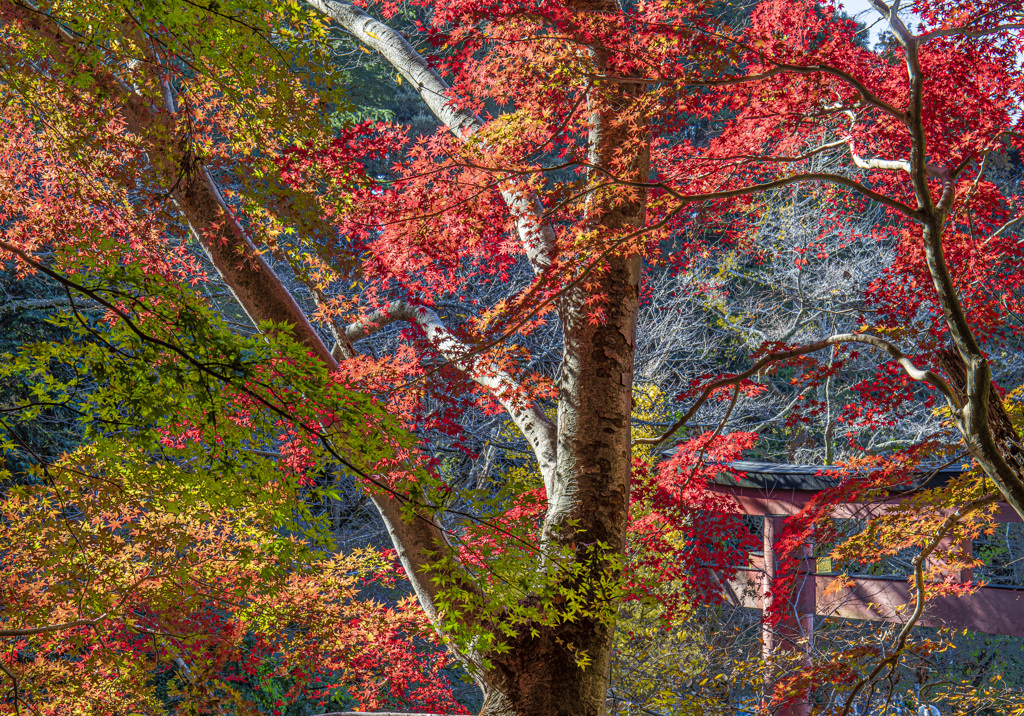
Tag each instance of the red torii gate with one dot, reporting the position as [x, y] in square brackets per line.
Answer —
[774, 492]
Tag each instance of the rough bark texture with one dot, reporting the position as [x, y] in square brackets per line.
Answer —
[540, 676]
[998, 448]
[588, 510]
[1002, 427]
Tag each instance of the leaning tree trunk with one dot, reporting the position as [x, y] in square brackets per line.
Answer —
[1003, 431]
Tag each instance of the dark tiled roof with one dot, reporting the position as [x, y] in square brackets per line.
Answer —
[813, 478]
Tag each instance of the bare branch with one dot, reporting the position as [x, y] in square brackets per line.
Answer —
[887, 164]
[891, 14]
[964, 31]
[794, 179]
[396, 311]
[1004, 228]
[913, 371]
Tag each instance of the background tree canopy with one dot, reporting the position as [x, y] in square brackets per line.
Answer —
[380, 356]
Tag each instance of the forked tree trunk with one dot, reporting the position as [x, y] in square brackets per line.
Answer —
[588, 473]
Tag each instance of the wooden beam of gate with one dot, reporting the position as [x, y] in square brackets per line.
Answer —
[990, 610]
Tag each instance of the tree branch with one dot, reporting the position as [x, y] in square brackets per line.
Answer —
[52, 627]
[258, 290]
[866, 94]
[535, 233]
[918, 562]
[418, 537]
[528, 416]
[911, 370]
[964, 31]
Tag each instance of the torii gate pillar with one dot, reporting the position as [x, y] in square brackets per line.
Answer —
[796, 631]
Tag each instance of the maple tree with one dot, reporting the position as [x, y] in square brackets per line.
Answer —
[168, 564]
[579, 142]
[147, 610]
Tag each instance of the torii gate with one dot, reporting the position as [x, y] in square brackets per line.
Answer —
[775, 491]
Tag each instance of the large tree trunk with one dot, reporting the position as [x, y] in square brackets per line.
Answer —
[540, 675]
[589, 505]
